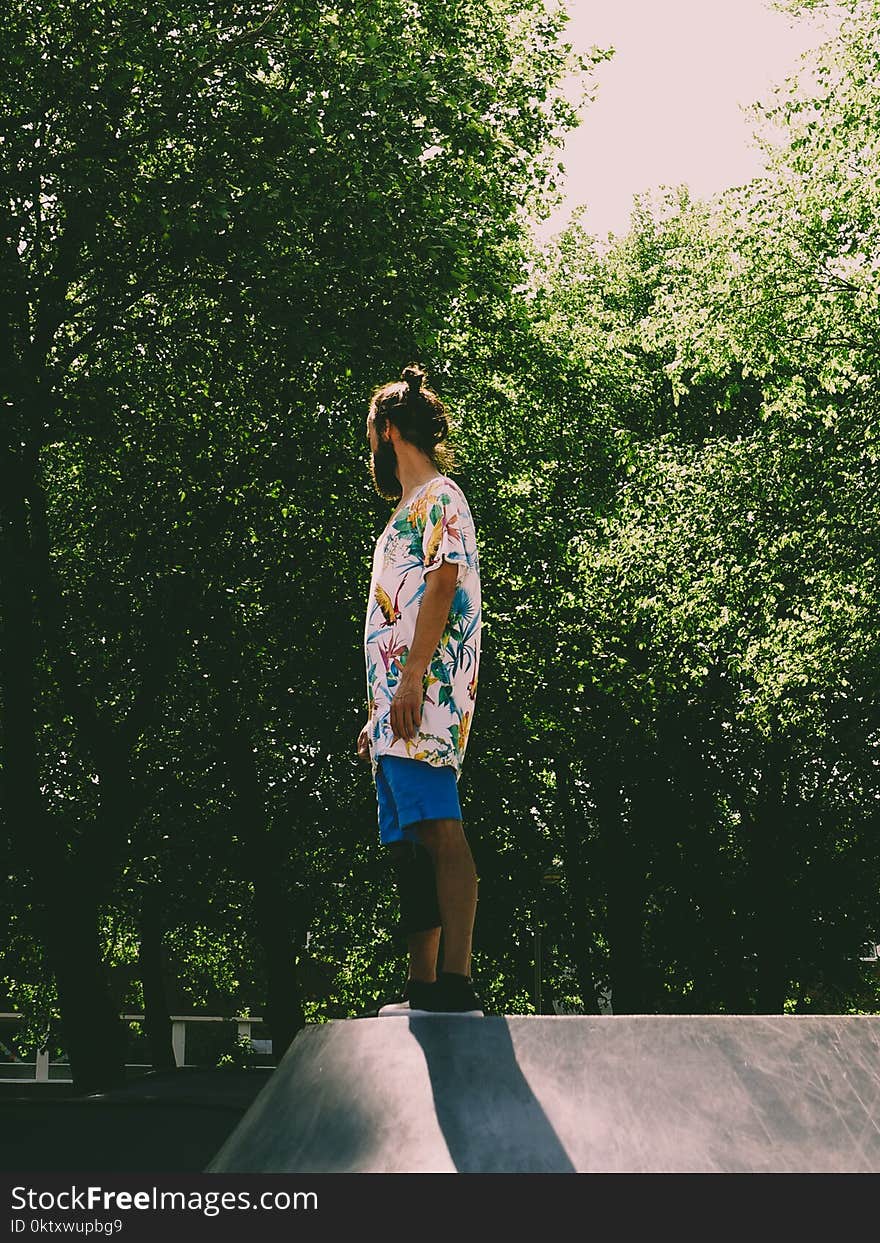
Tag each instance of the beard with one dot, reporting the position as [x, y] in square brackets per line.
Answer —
[383, 468]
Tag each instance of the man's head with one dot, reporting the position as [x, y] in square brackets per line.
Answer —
[407, 411]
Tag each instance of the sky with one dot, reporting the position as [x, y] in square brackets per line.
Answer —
[667, 108]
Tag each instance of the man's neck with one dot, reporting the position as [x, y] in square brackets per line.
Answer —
[412, 472]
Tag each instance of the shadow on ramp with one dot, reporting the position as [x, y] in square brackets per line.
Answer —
[490, 1118]
[423, 1095]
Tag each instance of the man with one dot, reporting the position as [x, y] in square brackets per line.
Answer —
[422, 648]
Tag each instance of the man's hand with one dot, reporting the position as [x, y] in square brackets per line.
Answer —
[406, 707]
[363, 743]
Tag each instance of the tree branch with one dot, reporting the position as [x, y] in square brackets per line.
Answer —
[165, 622]
[77, 696]
[247, 36]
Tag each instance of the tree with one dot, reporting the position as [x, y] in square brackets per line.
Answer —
[724, 632]
[216, 224]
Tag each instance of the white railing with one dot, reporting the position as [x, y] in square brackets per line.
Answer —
[178, 1041]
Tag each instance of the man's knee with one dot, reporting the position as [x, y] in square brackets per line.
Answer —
[416, 887]
[440, 835]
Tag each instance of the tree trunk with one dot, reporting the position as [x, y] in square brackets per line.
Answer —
[157, 1020]
[276, 917]
[93, 1034]
[573, 834]
[284, 1008]
[624, 877]
[720, 954]
[24, 810]
[64, 899]
[769, 881]
[102, 846]
[59, 891]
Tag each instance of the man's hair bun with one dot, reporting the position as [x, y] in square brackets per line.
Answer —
[417, 413]
[413, 376]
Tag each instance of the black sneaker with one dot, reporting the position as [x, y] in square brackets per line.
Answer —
[414, 993]
[452, 994]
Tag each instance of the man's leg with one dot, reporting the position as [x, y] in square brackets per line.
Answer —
[437, 883]
[419, 922]
[423, 950]
[456, 879]
[419, 913]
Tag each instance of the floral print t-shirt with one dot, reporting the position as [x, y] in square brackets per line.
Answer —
[434, 525]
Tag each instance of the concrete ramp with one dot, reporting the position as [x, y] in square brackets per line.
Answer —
[643, 1093]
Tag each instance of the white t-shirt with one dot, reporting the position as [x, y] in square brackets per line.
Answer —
[434, 525]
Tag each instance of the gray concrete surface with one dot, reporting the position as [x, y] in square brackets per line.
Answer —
[651, 1093]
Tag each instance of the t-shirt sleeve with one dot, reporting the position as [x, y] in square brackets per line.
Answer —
[449, 532]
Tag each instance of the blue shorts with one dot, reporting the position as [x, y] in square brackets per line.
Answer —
[408, 791]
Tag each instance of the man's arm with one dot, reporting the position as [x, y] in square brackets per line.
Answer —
[406, 706]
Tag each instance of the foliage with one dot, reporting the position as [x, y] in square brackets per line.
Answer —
[223, 227]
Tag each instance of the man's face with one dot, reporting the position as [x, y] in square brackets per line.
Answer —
[383, 463]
